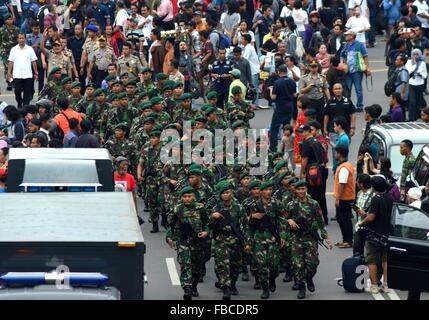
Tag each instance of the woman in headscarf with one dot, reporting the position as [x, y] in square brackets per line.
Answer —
[416, 67]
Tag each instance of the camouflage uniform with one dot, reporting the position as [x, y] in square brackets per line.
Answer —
[212, 126]
[152, 165]
[83, 104]
[51, 90]
[73, 101]
[305, 255]
[190, 251]
[181, 115]
[8, 39]
[220, 172]
[227, 245]
[123, 148]
[244, 108]
[241, 195]
[146, 86]
[171, 171]
[266, 246]
[96, 114]
[119, 115]
[407, 167]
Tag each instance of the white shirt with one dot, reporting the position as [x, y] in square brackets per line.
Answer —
[121, 18]
[422, 6]
[297, 71]
[343, 176]
[417, 80]
[22, 59]
[363, 6]
[250, 54]
[286, 12]
[148, 26]
[357, 24]
[301, 19]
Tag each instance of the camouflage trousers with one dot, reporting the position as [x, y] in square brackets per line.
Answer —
[267, 256]
[227, 257]
[190, 258]
[5, 61]
[154, 199]
[305, 258]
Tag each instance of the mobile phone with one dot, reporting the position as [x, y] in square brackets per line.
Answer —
[355, 207]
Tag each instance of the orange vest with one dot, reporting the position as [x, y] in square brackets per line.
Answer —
[349, 191]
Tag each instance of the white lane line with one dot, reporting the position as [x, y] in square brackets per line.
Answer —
[376, 296]
[393, 295]
[174, 276]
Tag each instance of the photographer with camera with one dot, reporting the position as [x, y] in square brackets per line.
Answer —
[377, 222]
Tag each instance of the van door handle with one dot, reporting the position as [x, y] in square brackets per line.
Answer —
[399, 250]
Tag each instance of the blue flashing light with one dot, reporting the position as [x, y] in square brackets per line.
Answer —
[33, 189]
[75, 189]
[78, 278]
[88, 189]
[40, 278]
[23, 278]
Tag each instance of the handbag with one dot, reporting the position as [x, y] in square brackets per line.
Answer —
[361, 66]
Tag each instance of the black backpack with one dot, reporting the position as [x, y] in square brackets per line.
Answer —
[390, 85]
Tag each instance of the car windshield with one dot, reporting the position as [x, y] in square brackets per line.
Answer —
[396, 158]
[409, 222]
[421, 169]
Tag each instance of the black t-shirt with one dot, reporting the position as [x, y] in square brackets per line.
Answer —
[381, 206]
[343, 108]
[270, 46]
[308, 148]
[284, 88]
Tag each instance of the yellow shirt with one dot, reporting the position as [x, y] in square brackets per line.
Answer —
[235, 83]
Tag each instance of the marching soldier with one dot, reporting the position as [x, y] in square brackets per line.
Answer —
[130, 63]
[96, 111]
[184, 112]
[119, 145]
[52, 89]
[100, 58]
[230, 235]
[149, 170]
[121, 114]
[87, 99]
[238, 106]
[187, 233]
[146, 83]
[304, 221]
[75, 95]
[8, 39]
[269, 232]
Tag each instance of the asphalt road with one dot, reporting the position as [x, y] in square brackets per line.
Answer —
[160, 261]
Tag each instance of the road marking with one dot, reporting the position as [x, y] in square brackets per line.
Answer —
[7, 95]
[377, 61]
[393, 295]
[174, 276]
[379, 70]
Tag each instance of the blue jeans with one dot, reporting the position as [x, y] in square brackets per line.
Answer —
[356, 80]
[255, 80]
[280, 118]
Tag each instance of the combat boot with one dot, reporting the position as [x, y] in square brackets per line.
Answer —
[155, 227]
[295, 286]
[265, 292]
[301, 293]
[245, 274]
[272, 284]
[194, 289]
[226, 293]
[187, 293]
[234, 290]
[288, 275]
[257, 285]
[217, 285]
[310, 285]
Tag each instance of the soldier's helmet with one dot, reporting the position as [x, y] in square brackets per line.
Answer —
[46, 103]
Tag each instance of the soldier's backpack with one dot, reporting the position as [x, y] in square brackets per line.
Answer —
[353, 271]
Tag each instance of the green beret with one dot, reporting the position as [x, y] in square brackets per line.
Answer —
[158, 127]
[275, 155]
[170, 126]
[142, 94]
[65, 80]
[292, 180]
[7, 16]
[237, 124]
[114, 97]
[76, 84]
[131, 83]
[300, 183]
[117, 82]
[153, 115]
[244, 175]
[281, 164]
[155, 100]
[205, 107]
[149, 120]
[237, 167]
[285, 174]
[147, 69]
[91, 85]
[161, 76]
[266, 184]
[193, 123]
[155, 133]
[169, 84]
[196, 172]
[145, 105]
[122, 126]
[124, 74]
[219, 111]
[178, 84]
[55, 69]
[193, 166]
[200, 119]
[122, 95]
[236, 90]
[109, 78]
[223, 185]
[254, 184]
[210, 110]
[98, 92]
[211, 95]
[185, 96]
[187, 189]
